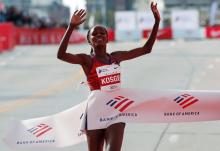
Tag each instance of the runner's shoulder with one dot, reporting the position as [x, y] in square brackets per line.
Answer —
[85, 57]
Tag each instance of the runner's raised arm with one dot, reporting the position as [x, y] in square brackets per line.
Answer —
[126, 55]
[77, 19]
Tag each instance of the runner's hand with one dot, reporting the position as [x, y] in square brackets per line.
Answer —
[155, 12]
[78, 17]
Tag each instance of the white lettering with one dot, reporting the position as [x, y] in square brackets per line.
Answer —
[110, 79]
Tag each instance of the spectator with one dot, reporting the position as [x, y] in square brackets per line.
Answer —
[25, 19]
[14, 15]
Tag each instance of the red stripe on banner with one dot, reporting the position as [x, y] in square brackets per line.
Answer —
[41, 129]
[118, 98]
[185, 95]
[38, 135]
[187, 100]
[120, 103]
[190, 103]
[126, 105]
[40, 125]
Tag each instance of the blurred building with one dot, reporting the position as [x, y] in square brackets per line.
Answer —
[45, 2]
[166, 6]
[53, 10]
[102, 11]
[20, 4]
[205, 8]
[25, 4]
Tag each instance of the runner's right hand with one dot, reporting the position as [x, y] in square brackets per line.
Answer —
[78, 17]
[155, 12]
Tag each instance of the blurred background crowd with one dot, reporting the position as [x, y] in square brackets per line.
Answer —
[31, 14]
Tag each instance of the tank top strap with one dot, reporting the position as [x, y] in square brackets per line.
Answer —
[95, 64]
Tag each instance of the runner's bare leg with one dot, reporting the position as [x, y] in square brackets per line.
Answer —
[114, 136]
[95, 139]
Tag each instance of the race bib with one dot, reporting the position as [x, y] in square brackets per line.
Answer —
[109, 76]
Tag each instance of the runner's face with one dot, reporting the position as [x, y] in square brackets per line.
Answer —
[98, 36]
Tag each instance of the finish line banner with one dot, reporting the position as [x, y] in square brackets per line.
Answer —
[102, 109]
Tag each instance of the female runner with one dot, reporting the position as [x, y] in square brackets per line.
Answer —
[94, 63]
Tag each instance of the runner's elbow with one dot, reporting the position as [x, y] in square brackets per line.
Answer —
[147, 50]
[60, 56]
[61, 53]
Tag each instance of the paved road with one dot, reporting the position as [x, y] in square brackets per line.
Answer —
[34, 83]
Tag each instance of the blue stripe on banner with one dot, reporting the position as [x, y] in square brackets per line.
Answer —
[176, 98]
[109, 102]
[113, 103]
[33, 130]
[180, 100]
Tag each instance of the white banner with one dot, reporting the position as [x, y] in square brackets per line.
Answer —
[185, 19]
[152, 106]
[199, 33]
[125, 20]
[59, 130]
[128, 35]
[105, 108]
